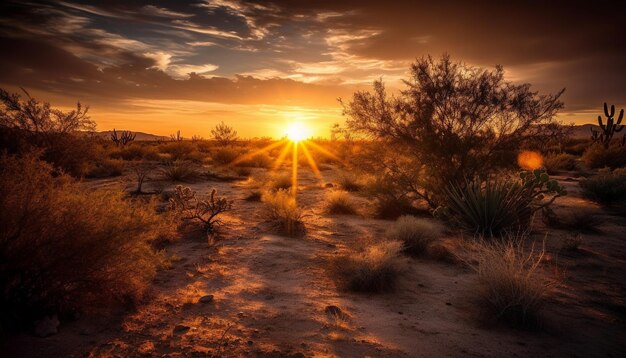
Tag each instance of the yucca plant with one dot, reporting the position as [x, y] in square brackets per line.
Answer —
[496, 206]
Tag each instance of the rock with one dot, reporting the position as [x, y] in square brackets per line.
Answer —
[329, 185]
[47, 326]
[448, 304]
[206, 299]
[181, 329]
[146, 348]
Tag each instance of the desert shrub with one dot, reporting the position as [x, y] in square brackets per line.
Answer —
[576, 146]
[596, 156]
[414, 233]
[225, 156]
[62, 137]
[451, 119]
[260, 160]
[496, 206]
[349, 182]
[179, 171]
[390, 199]
[607, 187]
[106, 168]
[223, 134]
[181, 151]
[136, 151]
[374, 269]
[558, 162]
[254, 196]
[185, 203]
[281, 182]
[282, 211]
[64, 248]
[243, 171]
[512, 289]
[339, 202]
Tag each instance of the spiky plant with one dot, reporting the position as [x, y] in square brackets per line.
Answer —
[206, 211]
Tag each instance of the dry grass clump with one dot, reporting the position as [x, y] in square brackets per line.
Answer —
[375, 269]
[106, 168]
[136, 151]
[179, 172]
[283, 212]
[349, 182]
[64, 248]
[225, 156]
[512, 289]
[596, 156]
[555, 163]
[281, 182]
[579, 220]
[415, 233]
[607, 187]
[339, 202]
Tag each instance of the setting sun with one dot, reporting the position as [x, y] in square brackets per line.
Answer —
[297, 131]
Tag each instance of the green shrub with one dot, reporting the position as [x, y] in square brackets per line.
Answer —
[375, 269]
[555, 163]
[607, 187]
[596, 156]
[414, 233]
[494, 207]
[65, 248]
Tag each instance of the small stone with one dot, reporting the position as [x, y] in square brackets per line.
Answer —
[240, 314]
[250, 343]
[269, 297]
[448, 304]
[400, 312]
[420, 284]
[206, 299]
[181, 329]
[329, 185]
[47, 326]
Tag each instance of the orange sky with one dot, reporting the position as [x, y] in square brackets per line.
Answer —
[257, 65]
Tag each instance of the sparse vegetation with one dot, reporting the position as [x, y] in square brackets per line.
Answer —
[179, 172]
[375, 269]
[282, 211]
[414, 233]
[281, 182]
[607, 187]
[339, 202]
[513, 290]
[224, 156]
[185, 203]
[64, 248]
[224, 134]
[597, 156]
[557, 162]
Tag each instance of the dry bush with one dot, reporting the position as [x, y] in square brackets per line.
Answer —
[282, 211]
[64, 248]
[261, 160]
[416, 234]
[254, 196]
[136, 151]
[206, 211]
[225, 156]
[375, 269]
[106, 168]
[596, 156]
[578, 220]
[349, 182]
[281, 182]
[180, 172]
[181, 151]
[607, 187]
[339, 202]
[512, 290]
[555, 163]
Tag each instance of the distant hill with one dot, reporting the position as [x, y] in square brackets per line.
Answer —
[583, 131]
[141, 136]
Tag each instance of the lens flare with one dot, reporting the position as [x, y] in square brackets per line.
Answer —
[529, 160]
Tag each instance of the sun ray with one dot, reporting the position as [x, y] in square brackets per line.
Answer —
[294, 170]
[281, 157]
[267, 148]
[311, 162]
[325, 152]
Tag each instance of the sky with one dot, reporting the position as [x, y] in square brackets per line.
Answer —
[161, 66]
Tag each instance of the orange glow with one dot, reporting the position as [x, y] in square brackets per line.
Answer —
[297, 131]
[529, 160]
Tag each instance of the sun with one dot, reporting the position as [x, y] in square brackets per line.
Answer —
[297, 131]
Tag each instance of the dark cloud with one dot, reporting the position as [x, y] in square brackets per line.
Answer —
[318, 49]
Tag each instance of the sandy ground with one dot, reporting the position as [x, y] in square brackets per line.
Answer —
[273, 297]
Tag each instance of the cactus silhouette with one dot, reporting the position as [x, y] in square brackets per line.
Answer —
[611, 127]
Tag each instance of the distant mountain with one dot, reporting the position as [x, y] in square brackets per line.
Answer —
[583, 131]
[141, 136]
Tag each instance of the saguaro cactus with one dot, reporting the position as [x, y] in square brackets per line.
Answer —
[611, 127]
